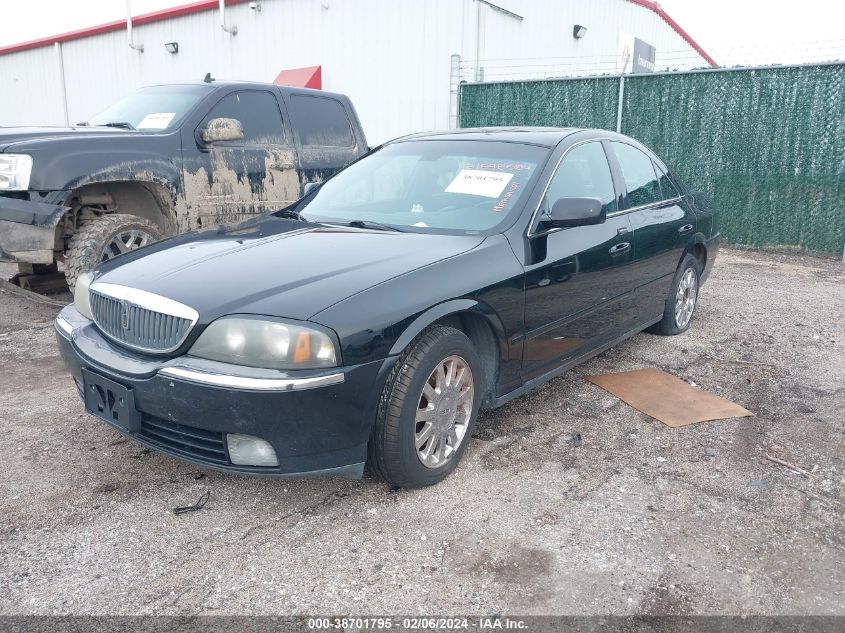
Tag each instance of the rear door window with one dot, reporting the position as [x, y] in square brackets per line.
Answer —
[321, 122]
[639, 175]
[258, 113]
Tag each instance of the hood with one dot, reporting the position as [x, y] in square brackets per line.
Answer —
[277, 267]
[10, 137]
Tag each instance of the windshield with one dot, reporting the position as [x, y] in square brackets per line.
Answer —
[151, 109]
[429, 186]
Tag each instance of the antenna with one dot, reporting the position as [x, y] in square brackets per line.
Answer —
[208, 78]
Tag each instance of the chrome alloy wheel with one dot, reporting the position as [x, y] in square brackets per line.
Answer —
[685, 298]
[444, 411]
[125, 241]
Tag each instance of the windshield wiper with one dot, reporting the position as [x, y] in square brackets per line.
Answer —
[367, 224]
[287, 213]
[121, 124]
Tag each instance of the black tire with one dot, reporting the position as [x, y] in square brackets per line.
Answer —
[392, 453]
[85, 248]
[668, 325]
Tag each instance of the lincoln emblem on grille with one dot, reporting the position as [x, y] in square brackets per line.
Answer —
[124, 314]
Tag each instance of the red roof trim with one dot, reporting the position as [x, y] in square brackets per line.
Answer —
[654, 6]
[305, 77]
[119, 25]
[208, 5]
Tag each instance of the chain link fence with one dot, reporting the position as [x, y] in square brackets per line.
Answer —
[767, 144]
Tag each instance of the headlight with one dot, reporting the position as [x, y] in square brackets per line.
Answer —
[271, 344]
[80, 295]
[15, 170]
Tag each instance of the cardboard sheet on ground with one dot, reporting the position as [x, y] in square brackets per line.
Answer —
[667, 398]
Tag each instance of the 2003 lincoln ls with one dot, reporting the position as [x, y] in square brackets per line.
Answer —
[368, 322]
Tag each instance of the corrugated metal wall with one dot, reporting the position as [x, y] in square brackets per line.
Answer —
[766, 144]
[542, 44]
[391, 56]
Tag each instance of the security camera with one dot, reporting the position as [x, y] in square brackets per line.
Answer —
[255, 6]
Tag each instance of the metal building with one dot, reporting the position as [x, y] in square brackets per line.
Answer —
[399, 60]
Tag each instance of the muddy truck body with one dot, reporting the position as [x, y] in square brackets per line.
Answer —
[165, 160]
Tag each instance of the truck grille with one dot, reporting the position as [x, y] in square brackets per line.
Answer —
[121, 314]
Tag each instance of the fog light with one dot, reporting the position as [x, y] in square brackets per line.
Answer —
[247, 450]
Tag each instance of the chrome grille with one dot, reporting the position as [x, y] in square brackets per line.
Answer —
[127, 316]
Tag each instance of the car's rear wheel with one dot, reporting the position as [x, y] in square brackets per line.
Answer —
[682, 299]
[428, 410]
[106, 237]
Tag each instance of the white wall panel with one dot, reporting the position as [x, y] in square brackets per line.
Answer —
[392, 57]
[29, 93]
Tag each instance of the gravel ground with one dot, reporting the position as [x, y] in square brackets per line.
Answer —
[640, 518]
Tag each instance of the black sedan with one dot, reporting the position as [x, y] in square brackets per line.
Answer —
[369, 322]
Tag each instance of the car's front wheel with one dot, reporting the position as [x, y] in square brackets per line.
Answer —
[428, 410]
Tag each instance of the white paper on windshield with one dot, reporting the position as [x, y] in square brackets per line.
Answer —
[156, 121]
[477, 182]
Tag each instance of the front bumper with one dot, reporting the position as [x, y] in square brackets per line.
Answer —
[318, 423]
[28, 230]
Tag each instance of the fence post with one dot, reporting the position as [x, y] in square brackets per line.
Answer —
[619, 105]
[454, 82]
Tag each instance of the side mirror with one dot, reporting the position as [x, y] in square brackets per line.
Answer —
[309, 187]
[568, 212]
[223, 129]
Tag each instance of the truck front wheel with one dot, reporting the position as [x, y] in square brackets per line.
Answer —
[102, 239]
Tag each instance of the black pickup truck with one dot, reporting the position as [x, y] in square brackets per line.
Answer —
[165, 160]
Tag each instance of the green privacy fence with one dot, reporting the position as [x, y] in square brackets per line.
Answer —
[767, 144]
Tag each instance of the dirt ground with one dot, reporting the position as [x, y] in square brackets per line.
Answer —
[639, 518]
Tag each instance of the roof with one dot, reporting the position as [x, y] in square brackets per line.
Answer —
[655, 6]
[120, 25]
[544, 136]
[259, 85]
[208, 5]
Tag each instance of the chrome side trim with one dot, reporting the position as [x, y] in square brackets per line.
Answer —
[63, 327]
[246, 382]
[614, 214]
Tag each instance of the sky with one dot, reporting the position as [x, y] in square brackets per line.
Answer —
[732, 31]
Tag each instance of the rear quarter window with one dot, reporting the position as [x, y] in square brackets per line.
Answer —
[321, 122]
[667, 188]
[638, 172]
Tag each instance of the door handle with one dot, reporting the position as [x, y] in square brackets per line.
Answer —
[619, 248]
[281, 166]
[622, 230]
[686, 228]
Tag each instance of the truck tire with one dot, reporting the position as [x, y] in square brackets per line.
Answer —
[102, 239]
